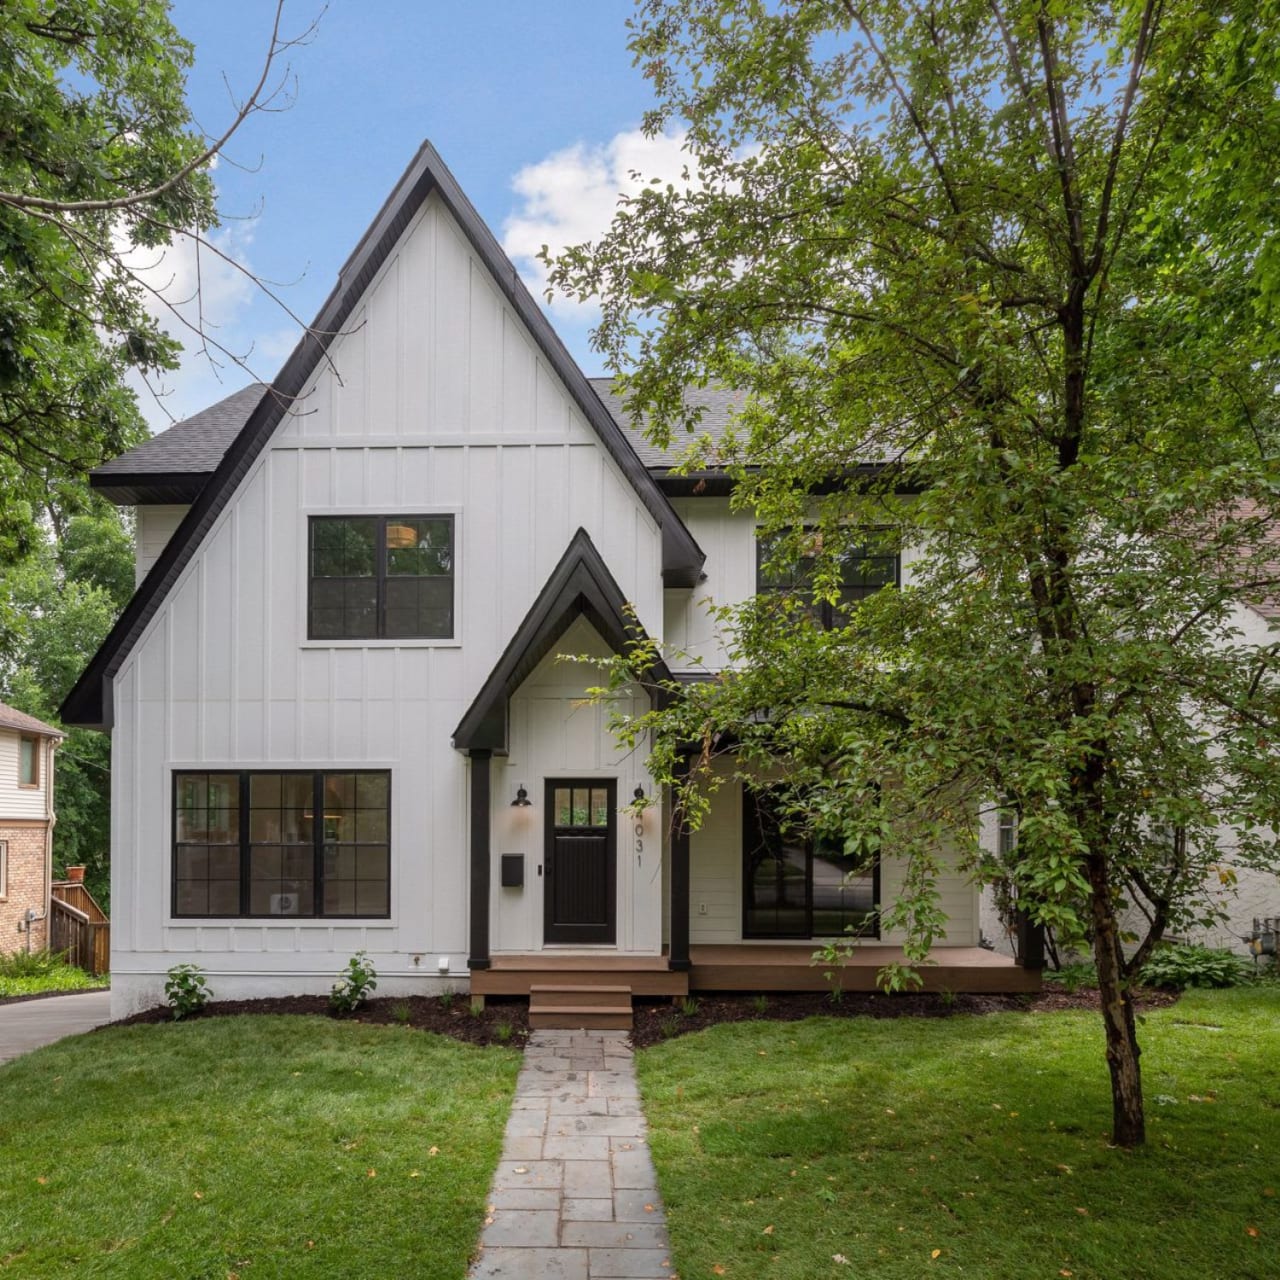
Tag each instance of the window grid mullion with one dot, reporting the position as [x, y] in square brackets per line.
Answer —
[242, 788]
[317, 843]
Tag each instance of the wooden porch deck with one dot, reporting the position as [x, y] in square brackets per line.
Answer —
[748, 966]
[767, 966]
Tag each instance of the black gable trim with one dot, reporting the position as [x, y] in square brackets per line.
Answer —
[579, 586]
[89, 702]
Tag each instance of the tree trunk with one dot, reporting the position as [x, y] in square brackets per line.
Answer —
[1128, 1119]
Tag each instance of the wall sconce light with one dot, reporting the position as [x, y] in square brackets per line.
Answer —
[639, 794]
[522, 800]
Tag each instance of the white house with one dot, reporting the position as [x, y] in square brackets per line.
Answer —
[27, 747]
[337, 714]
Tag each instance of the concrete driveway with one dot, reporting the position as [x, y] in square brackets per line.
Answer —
[29, 1024]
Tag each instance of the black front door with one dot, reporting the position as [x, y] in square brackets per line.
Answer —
[580, 861]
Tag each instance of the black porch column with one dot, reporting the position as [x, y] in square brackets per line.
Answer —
[481, 861]
[1030, 942]
[678, 958]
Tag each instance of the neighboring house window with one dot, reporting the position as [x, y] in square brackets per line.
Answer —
[28, 761]
[380, 577]
[863, 569]
[282, 843]
[4, 868]
[798, 886]
[1007, 835]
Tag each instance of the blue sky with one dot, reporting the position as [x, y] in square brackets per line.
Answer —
[534, 105]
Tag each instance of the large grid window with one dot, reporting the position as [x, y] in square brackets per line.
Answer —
[380, 577]
[864, 568]
[282, 843]
[800, 886]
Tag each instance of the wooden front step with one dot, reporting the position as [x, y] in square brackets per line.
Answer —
[517, 975]
[572, 997]
[593, 1007]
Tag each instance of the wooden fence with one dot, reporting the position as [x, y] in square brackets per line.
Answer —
[87, 942]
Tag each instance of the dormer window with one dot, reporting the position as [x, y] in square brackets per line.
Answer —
[864, 568]
[380, 577]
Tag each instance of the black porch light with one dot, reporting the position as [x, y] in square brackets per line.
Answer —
[522, 800]
[639, 793]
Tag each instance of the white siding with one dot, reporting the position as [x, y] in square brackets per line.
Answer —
[16, 801]
[555, 734]
[715, 876]
[155, 526]
[445, 404]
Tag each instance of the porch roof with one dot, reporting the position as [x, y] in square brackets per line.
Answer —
[579, 586]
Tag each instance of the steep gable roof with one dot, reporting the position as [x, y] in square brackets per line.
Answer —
[89, 703]
[579, 586]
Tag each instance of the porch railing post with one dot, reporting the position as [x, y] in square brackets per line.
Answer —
[481, 859]
[1030, 942]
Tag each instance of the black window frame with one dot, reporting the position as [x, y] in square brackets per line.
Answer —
[244, 782]
[751, 799]
[827, 613]
[380, 574]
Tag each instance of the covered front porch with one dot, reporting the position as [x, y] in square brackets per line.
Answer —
[751, 966]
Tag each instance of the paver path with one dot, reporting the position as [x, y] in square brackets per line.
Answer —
[575, 1196]
[29, 1024]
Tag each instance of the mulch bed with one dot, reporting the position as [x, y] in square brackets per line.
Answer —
[505, 1021]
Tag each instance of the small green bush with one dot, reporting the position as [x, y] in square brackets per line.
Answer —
[186, 990]
[354, 984]
[1074, 976]
[32, 964]
[446, 999]
[760, 1003]
[690, 1005]
[1182, 965]
[402, 1012]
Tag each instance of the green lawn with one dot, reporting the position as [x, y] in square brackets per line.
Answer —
[260, 1147]
[782, 1147]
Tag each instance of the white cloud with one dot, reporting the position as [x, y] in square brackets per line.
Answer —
[197, 288]
[571, 196]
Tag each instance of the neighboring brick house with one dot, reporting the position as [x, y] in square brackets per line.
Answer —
[27, 747]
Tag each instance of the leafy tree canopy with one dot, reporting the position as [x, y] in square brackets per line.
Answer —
[1006, 272]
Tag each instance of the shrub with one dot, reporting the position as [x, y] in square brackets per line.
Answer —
[1074, 976]
[354, 984]
[446, 999]
[186, 990]
[760, 1003]
[690, 1005]
[503, 1032]
[32, 964]
[402, 1012]
[1182, 965]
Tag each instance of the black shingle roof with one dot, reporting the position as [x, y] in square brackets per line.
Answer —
[193, 448]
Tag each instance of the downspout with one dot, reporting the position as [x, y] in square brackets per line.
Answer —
[50, 820]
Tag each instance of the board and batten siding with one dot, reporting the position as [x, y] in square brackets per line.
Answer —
[445, 404]
[555, 733]
[716, 882]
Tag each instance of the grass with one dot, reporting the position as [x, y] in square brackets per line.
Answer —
[249, 1147]
[974, 1145]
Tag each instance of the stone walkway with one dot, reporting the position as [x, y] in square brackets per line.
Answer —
[575, 1196]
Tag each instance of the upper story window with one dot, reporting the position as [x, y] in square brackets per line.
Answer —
[863, 569]
[380, 578]
[28, 761]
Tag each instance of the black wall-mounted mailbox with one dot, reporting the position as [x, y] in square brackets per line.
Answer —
[512, 870]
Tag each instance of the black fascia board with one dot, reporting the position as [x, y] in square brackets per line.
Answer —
[718, 483]
[579, 586]
[88, 705]
[147, 488]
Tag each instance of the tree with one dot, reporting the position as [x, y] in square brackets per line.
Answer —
[98, 156]
[1005, 272]
[56, 607]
